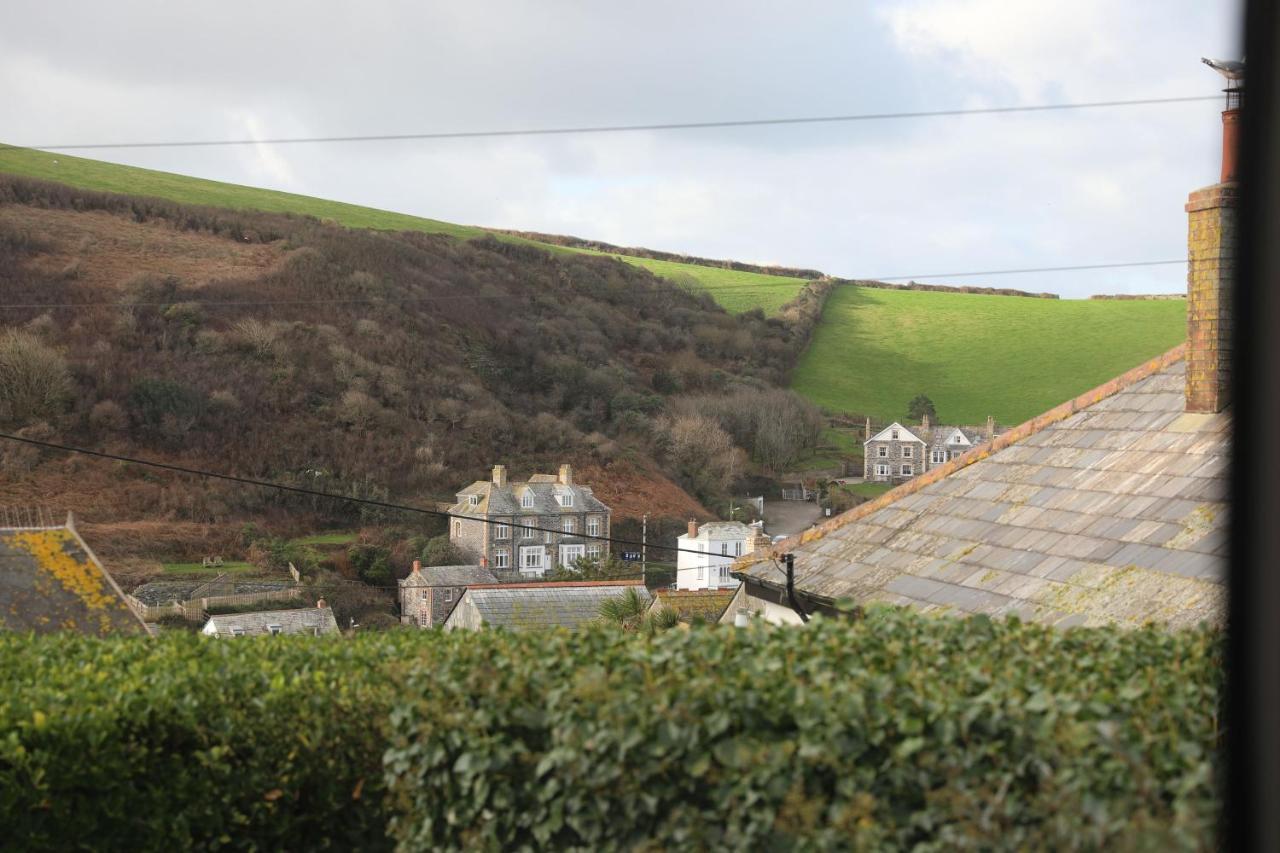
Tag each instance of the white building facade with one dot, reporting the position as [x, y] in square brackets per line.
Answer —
[714, 547]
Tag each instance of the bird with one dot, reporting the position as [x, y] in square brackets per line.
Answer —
[1228, 68]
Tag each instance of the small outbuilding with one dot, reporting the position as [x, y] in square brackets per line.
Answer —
[315, 621]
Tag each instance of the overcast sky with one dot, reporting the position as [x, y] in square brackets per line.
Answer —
[859, 200]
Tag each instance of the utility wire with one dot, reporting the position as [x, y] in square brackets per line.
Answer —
[626, 128]
[248, 481]
[650, 291]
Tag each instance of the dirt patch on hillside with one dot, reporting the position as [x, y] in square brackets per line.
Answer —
[99, 249]
[631, 492]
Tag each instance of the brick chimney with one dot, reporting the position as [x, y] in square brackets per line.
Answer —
[693, 528]
[499, 475]
[566, 475]
[1211, 264]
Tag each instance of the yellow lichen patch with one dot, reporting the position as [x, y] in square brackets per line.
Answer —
[1198, 523]
[77, 576]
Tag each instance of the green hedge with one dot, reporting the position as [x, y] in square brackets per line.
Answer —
[896, 732]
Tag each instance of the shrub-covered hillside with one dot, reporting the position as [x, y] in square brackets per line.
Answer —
[897, 732]
[360, 362]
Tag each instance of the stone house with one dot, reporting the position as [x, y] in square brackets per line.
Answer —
[315, 621]
[538, 606]
[496, 514]
[897, 453]
[428, 595]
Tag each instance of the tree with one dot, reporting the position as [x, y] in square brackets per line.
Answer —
[920, 406]
[594, 569]
[441, 552]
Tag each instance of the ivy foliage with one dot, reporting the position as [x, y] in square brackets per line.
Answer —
[895, 732]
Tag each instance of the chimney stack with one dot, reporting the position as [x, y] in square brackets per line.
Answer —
[693, 528]
[924, 422]
[566, 475]
[417, 566]
[868, 430]
[320, 604]
[991, 427]
[1211, 263]
[499, 475]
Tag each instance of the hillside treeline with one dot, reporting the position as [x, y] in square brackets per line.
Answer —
[363, 363]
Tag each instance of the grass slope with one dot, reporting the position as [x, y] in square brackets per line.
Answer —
[736, 291]
[975, 356]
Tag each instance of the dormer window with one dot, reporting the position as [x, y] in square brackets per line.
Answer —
[474, 500]
[565, 500]
[526, 500]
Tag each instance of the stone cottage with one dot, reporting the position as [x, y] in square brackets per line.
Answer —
[897, 453]
[497, 514]
[428, 595]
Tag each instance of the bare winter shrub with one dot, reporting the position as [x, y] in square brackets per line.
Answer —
[108, 416]
[34, 380]
[261, 339]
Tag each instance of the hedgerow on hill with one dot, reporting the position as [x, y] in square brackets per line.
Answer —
[897, 731]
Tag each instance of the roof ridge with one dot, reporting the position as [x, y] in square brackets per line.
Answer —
[1060, 412]
[553, 584]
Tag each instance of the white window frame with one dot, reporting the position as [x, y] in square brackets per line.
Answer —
[549, 536]
[568, 525]
[908, 451]
[501, 531]
[565, 500]
[907, 471]
[737, 548]
[593, 551]
[700, 571]
[956, 453]
[448, 594]
[528, 551]
[457, 529]
[237, 631]
[724, 549]
[275, 630]
[529, 523]
[894, 435]
[882, 470]
[474, 500]
[501, 559]
[526, 500]
[882, 451]
[937, 457]
[568, 553]
[593, 526]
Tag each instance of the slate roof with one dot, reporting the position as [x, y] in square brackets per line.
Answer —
[689, 603]
[1109, 508]
[723, 530]
[505, 500]
[300, 621]
[535, 606]
[51, 581]
[448, 576]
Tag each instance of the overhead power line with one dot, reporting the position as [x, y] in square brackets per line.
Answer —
[628, 128]
[656, 291]
[267, 484]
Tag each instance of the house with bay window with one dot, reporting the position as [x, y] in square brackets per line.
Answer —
[528, 526]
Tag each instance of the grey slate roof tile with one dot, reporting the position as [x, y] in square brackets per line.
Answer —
[1115, 513]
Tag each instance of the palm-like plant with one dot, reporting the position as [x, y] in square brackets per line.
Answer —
[627, 611]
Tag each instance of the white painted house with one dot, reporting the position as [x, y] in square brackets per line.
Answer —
[717, 544]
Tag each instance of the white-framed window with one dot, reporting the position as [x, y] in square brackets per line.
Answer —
[526, 500]
[882, 451]
[531, 557]
[474, 500]
[275, 629]
[568, 525]
[593, 526]
[956, 453]
[569, 553]
[457, 529]
[701, 569]
[548, 536]
[422, 593]
[882, 470]
[315, 632]
[908, 451]
[724, 549]
[938, 456]
[501, 531]
[529, 522]
[501, 558]
[908, 471]
[724, 573]
[894, 435]
[448, 594]
[237, 632]
[737, 548]
[593, 551]
[565, 499]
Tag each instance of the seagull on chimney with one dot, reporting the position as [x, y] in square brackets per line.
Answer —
[1228, 68]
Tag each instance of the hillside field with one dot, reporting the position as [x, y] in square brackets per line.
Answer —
[735, 291]
[974, 355]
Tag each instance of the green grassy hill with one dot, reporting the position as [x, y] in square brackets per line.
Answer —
[1006, 356]
[736, 291]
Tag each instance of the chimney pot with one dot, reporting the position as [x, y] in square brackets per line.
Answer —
[320, 604]
[566, 474]
[693, 528]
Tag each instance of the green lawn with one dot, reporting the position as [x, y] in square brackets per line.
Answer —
[835, 446]
[1007, 356]
[736, 291]
[867, 490]
[231, 566]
